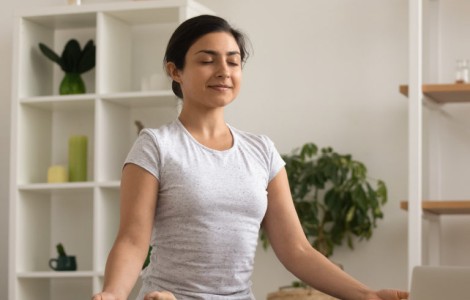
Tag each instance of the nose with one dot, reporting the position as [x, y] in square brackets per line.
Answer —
[223, 70]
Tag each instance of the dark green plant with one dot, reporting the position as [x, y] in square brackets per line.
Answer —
[333, 196]
[74, 61]
[60, 250]
[147, 259]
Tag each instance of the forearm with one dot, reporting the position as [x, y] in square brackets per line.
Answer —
[317, 271]
[123, 267]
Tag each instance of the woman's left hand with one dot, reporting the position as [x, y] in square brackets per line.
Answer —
[388, 295]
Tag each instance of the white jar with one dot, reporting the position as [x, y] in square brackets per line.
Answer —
[462, 71]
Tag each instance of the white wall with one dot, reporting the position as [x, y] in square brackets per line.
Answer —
[328, 72]
[325, 71]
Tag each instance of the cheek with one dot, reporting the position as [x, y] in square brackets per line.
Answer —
[237, 86]
[237, 77]
[194, 80]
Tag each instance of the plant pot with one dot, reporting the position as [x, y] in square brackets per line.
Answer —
[294, 293]
[72, 84]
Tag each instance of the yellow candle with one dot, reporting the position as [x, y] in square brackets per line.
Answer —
[57, 174]
[78, 158]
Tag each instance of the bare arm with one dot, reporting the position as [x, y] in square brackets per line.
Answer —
[139, 191]
[288, 240]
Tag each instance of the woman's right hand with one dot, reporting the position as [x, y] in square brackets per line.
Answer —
[160, 296]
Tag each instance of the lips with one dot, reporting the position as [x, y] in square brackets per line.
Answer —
[220, 87]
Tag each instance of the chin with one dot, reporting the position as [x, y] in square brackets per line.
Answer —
[221, 101]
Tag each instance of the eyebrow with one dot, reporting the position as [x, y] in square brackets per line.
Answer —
[215, 53]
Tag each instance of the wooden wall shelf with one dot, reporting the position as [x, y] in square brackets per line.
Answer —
[443, 207]
[443, 93]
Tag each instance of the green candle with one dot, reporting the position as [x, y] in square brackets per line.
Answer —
[78, 158]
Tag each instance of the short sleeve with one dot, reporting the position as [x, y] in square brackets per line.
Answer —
[276, 161]
[145, 153]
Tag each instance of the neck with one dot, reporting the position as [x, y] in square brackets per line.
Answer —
[208, 123]
[209, 129]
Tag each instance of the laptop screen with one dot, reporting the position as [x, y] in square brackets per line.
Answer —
[440, 283]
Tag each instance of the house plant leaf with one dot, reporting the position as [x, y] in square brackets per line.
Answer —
[73, 61]
[87, 58]
[50, 54]
[333, 196]
[70, 56]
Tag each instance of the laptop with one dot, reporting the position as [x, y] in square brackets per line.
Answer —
[440, 283]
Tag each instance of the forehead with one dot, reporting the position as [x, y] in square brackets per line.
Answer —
[215, 41]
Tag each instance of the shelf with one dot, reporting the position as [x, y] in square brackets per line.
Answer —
[47, 131]
[45, 15]
[116, 184]
[125, 86]
[57, 187]
[61, 103]
[68, 186]
[71, 20]
[443, 207]
[443, 93]
[57, 274]
[164, 98]
[147, 15]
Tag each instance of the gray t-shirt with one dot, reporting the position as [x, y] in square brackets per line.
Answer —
[209, 210]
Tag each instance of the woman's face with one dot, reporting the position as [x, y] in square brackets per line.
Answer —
[212, 72]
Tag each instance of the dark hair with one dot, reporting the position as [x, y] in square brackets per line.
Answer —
[189, 32]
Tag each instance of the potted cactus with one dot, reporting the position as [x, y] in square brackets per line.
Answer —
[63, 262]
[60, 250]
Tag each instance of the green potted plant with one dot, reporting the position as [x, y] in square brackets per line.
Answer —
[74, 61]
[63, 262]
[334, 198]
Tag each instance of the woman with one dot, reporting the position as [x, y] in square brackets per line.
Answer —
[199, 190]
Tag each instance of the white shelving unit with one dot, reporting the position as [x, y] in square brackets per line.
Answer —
[435, 96]
[130, 39]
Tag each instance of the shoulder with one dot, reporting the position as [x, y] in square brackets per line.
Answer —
[254, 140]
[153, 141]
[161, 136]
[163, 131]
[260, 148]
[151, 147]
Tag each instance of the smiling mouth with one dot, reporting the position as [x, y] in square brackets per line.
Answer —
[220, 87]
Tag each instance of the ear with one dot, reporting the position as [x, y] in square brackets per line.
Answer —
[173, 72]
